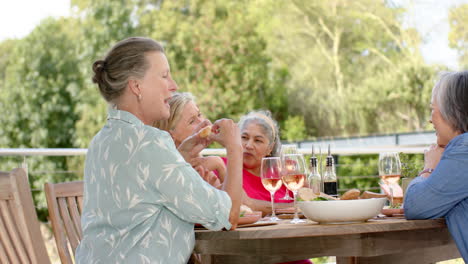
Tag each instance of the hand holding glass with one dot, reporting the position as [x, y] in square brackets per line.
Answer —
[271, 180]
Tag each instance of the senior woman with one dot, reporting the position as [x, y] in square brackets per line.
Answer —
[141, 198]
[185, 120]
[260, 138]
[441, 190]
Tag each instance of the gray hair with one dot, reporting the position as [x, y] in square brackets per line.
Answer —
[125, 60]
[269, 126]
[451, 95]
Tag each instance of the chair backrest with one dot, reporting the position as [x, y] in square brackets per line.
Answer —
[21, 240]
[65, 204]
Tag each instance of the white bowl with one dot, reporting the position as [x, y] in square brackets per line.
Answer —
[342, 211]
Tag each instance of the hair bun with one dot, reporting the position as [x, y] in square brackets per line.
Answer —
[98, 69]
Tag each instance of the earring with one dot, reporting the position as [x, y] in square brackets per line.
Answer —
[139, 97]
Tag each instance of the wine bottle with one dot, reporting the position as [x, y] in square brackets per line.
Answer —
[330, 184]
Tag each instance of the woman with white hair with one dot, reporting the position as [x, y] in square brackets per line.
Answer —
[441, 190]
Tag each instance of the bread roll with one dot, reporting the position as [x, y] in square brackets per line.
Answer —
[205, 132]
[244, 209]
[352, 194]
[368, 195]
[306, 194]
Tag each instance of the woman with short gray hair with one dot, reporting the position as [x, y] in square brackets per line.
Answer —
[441, 190]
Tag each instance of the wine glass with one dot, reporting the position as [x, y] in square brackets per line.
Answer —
[287, 149]
[294, 174]
[271, 180]
[389, 170]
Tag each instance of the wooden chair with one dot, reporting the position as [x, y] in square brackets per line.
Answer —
[21, 240]
[65, 204]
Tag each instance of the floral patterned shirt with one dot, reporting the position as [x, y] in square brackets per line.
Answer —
[141, 199]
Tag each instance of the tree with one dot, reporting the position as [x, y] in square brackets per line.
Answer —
[458, 35]
[101, 23]
[39, 96]
[216, 53]
[334, 50]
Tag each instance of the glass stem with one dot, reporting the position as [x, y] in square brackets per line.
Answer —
[391, 195]
[273, 215]
[295, 205]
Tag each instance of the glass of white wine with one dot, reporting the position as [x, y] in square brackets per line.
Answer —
[294, 175]
[271, 180]
[390, 170]
[287, 149]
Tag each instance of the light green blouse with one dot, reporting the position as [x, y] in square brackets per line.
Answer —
[141, 198]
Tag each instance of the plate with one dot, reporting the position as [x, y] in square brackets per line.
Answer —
[289, 216]
[249, 218]
[342, 211]
[289, 210]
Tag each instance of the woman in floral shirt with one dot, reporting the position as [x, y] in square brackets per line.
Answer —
[141, 197]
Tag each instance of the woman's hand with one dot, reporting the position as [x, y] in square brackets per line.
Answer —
[432, 156]
[208, 176]
[191, 147]
[226, 133]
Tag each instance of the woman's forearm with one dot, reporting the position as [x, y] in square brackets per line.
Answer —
[233, 181]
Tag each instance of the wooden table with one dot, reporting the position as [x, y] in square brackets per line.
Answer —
[387, 240]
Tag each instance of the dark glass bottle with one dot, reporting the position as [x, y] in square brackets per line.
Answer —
[330, 184]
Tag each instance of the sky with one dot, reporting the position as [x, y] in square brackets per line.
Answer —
[19, 17]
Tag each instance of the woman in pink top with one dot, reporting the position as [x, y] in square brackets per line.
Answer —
[260, 138]
[259, 133]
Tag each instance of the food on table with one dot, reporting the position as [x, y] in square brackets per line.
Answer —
[244, 209]
[307, 194]
[352, 194]
[205, 132]
[368, 195]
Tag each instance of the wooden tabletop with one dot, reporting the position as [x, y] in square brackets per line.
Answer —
[396, 238]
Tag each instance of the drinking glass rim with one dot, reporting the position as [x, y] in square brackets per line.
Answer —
[295, 154]
[267, 158]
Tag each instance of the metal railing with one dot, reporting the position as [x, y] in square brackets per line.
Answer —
[26, 154]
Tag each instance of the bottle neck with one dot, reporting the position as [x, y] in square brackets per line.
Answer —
[329, 174]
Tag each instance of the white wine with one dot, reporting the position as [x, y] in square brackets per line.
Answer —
[391, 179]
[272, 185]
[294, 181]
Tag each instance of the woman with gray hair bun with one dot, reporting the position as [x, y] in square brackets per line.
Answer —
[141, 196]
[441, 190]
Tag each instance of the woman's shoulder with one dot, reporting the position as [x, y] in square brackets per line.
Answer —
[460, 140]
[458, 147]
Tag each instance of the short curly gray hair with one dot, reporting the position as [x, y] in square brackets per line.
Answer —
[451, 95]
[270, 128]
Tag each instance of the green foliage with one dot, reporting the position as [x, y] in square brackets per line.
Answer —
[458, 35]
[411, 164]
[217, 54]
[345, 58]
[294, 129]
[358, 171]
